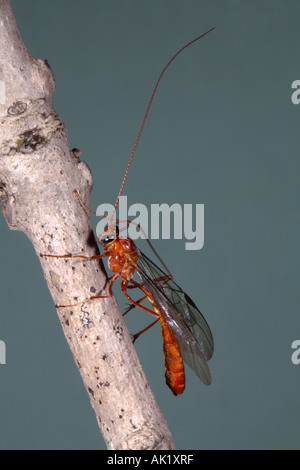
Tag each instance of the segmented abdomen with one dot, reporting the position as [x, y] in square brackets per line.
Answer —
[175, 376]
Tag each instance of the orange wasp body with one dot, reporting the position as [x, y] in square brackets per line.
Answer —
[123, 259]
[186, 335]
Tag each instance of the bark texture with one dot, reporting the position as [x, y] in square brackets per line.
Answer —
[38, 176]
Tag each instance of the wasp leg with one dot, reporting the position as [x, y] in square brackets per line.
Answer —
[135, 337]
[113, 279]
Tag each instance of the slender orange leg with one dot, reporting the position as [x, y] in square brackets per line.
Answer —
[75, 256]
[124, 286]
[135, 337]
[156, 279]
[133, 306]
[137, 303]
[135, 287]
[112, 280]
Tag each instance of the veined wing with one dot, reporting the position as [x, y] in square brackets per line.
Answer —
[182, 316]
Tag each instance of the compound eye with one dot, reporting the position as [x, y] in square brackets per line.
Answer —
[107, 239]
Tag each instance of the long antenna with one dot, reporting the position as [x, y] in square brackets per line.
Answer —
[147, 112]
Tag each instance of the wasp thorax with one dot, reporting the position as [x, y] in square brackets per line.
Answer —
[109, 235]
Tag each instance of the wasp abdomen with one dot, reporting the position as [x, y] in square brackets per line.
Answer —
[175, 375]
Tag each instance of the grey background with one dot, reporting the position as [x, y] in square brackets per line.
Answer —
[223, 132]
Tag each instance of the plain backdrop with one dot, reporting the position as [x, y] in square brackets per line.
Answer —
[223, 132]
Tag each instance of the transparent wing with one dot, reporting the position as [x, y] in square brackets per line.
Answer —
[182, 316]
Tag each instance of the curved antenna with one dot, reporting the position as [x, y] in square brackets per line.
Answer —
[147, 112]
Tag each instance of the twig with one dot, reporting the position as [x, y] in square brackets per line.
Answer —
[38, 176]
